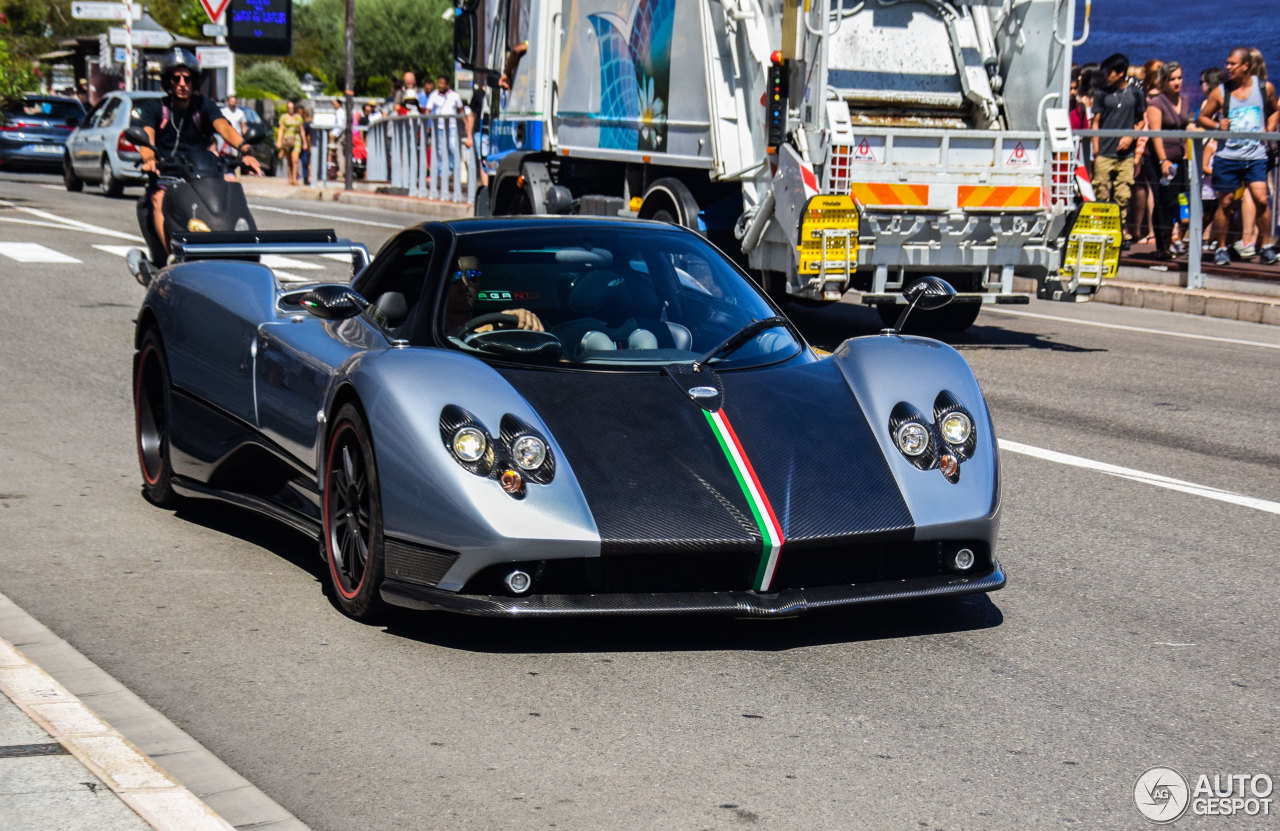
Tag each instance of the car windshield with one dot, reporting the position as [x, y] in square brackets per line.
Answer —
[606, 297]
[44, 108]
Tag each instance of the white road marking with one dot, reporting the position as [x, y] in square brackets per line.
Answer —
[33, 252]
[72, 224]
[258, 207]
[117, 250]
[1140, 329]
[54, 187]
[290, 277]
[278, 261]
[1142, 476]
[342, 258]
[37, 222]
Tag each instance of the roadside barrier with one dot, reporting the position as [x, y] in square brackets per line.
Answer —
[1195, 177]
[421, 155]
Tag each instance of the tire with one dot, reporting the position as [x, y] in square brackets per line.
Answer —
[69, 178]
[111, 187]
[352, 504]
[152, 405]
[670, 200]
[954, 317]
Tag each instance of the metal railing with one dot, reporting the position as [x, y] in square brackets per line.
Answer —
[423, 155]
[1195, 231]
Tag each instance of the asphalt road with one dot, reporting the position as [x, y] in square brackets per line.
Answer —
[1138, 627]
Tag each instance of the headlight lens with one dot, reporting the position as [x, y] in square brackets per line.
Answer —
[470, 444]
[530, 452]
[956, 428]
[912, 438]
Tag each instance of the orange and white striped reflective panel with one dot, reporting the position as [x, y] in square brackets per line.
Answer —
[998, 196]
[883, 193]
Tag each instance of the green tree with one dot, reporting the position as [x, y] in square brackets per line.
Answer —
[391, 36]
[270, 77]
[16, 75]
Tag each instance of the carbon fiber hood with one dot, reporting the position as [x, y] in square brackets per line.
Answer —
[658, 479]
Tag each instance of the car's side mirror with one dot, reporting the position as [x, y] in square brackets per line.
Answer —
[137, 136]
[928, 292]
[333, 302]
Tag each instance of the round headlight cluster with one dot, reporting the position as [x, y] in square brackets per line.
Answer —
[470, 444]
[956, 428]
[912, 438]
[529, 452]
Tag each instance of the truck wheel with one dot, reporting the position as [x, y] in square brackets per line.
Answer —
[955, 317]
[670, 200]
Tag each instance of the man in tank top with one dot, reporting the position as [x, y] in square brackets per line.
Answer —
[1244, 103]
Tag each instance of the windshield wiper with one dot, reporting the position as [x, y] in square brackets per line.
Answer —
[738, 338]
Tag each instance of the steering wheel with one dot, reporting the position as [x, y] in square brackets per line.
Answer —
[493, 319]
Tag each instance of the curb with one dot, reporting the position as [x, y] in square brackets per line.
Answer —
[139, 782]
[401, 204]
[197, 790]
[1226, 305]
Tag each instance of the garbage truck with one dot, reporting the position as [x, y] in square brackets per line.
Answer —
[834, 148]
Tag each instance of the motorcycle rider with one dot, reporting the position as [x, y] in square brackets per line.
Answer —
[182, 122]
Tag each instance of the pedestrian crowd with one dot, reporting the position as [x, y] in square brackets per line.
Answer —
[295, 133]
[1148, 178]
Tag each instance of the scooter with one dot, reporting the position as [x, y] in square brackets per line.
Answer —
[198, 198]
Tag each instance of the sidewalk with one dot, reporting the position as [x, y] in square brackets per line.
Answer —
[65, 767]
[1247, 291]
[364, 194]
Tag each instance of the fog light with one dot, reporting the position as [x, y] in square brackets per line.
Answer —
[963, 561]
[948, 465]
[517, 582]
[511, 481]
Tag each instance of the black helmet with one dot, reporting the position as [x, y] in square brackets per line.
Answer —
[174, 60]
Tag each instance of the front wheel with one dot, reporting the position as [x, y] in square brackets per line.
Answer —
[152, 402]
[353, 517]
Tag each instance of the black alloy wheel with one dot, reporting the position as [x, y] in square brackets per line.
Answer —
[72, 182]
[152, 409]
[353, 517]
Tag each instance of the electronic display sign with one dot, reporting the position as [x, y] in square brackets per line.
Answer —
[260, 27]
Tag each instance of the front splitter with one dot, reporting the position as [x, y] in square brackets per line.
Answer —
[787, 603]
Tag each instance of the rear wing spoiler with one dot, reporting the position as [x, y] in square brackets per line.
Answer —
[242, 245]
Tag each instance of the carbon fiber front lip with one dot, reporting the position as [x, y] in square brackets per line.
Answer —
[786, 603]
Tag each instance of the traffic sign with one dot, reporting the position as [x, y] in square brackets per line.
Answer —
[214, 30]
[103, 11]
[146, 38]
[214, 8]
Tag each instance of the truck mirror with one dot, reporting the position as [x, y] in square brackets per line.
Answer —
[464, 39]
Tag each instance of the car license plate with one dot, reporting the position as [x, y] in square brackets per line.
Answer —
[44, 148]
